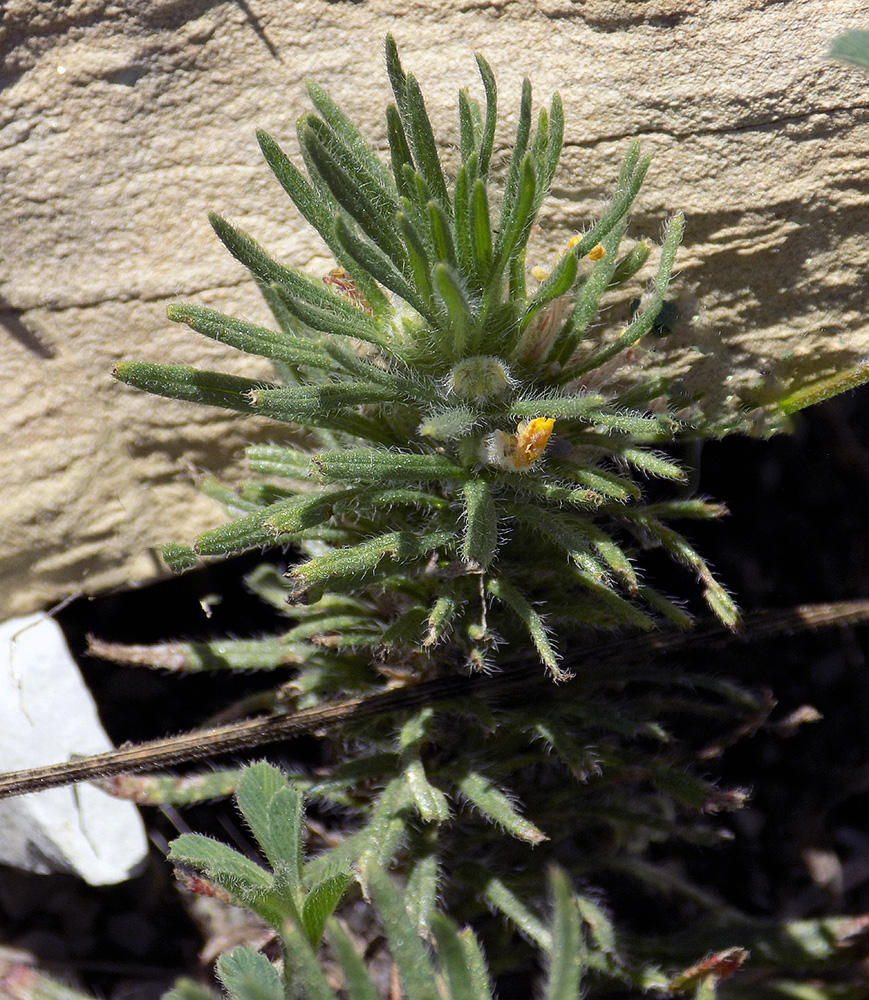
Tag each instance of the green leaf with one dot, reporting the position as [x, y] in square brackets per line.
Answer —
[497, 807]
[422, 143]
[242, 878]
[460, 311]
[505, 900]
[480, 541]
[248, 975]
[190, 384]
[817, 392]
[273, 811]
[407, 950]
[481, 236]
[565, 957]
[250, 338]
[632, 261]
[306, 298]
[430, 801]
[421, 889]
[320, 903]
[488, 138]
[646, 318]
[514, 184]
[367, 195]
[461, 960]
[178, 557]
[307, 976]
[276, 524]
[509, 595]
[587, 303]
[385, 466]
[357, 984]
[302, 403]
[184, 989]
[320, 214]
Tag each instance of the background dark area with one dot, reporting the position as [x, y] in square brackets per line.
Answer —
[797, 534]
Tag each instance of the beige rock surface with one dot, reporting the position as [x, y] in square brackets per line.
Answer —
[122, 123]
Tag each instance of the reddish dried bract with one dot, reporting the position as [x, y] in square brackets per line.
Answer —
[201, 887]
[346, 286]
[721, 965]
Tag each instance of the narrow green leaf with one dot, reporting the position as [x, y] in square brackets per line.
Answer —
[357, 984]
[368, 196]
[384, 465]
[565, 957]
[509, 595]
[608, 484]
[321, 902]
[632, 261]
[646, 318]
[492, 803]
[481, 233]
[460, 312]
[342, 126]
[719, 601]
[190, 384]
[461, 961]
[307, 976]
[507, 901]
[178, 557]
[277, 524]
[519, 163]
[380, 266]
[480, 541]
[551, 156]
[421, 264]
[467, 132]
[248, 975]
[817, 392]
[277, 460]
[407, 950]
[451, 424]
[301, 403]
[462, 209]
[397, 76]
[319, 213]
[650, 462]
[353, 562]
[488, 138]
[250, 338]
[422, 142]
[421, 889]
[587, 303]
[441, 616]
[399, 151]
[577, 406]
[430, 801]
[306, 298]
